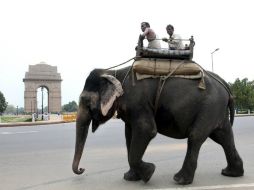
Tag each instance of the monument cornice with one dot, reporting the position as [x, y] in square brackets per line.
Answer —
[39, 80]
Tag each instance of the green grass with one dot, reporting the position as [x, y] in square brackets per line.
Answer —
[15, 119]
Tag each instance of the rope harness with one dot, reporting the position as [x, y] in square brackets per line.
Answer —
[161, 85]
[163, 79]
[120, 65]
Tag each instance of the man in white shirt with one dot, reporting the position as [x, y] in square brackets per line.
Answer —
[175, 40]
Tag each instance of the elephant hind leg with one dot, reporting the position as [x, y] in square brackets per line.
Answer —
[196, 137]
[186, 174]
[224, 137]
[131, 175]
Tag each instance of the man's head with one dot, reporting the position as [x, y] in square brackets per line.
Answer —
[170, 29]
[144, 25]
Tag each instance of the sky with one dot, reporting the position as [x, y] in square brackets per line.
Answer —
[78, 36]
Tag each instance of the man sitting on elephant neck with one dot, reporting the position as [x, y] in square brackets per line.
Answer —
[150, 35]
[175, 40]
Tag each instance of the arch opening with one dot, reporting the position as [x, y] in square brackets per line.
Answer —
[42, 100]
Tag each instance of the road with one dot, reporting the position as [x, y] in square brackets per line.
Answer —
[40, 158]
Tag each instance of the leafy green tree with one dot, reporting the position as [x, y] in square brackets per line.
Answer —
[243, 91]
[3, 103]
[21, 110]
[45, 109]
[10, 109]
[70, 107]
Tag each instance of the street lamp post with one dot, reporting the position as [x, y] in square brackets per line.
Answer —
[42, 103]
[37, 111]
[212, 56]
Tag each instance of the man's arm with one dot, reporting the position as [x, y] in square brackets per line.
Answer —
[164, 39]
[145, 32]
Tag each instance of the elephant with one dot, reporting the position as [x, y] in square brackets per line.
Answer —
[182, 111]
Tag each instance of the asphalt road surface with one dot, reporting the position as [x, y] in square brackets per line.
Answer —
[40, 158]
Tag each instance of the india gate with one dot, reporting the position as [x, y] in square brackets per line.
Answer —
[45, 76]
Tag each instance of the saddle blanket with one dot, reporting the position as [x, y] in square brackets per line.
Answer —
[164, 67]
[155, 68]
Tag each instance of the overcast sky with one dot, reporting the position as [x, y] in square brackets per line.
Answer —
[78, 36]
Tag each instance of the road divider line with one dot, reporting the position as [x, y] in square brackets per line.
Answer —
[210, 187]
[21, 132]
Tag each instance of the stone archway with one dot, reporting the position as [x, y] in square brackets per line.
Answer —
[42, 75]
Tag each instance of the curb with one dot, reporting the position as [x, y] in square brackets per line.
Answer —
[59, 122]
[243, 115]
[31, 123]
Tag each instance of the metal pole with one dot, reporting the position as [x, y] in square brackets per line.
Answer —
[17, 110]
[48, 101]
[212, 56]
[42, 103]
[212, 61]
[35, 105]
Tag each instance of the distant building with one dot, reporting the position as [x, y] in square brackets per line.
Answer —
[46, 76]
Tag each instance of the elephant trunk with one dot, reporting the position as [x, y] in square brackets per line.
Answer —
[82, 126]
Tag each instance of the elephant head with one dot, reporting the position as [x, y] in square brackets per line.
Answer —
[97, 103]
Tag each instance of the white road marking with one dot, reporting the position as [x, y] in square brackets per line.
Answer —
[22, 132]
[210, 187]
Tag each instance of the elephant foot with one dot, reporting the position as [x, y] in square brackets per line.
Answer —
[233, 172]
[131, 175]
[147, 170]
[183, 179]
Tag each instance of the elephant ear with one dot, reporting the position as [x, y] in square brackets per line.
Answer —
[109, 96]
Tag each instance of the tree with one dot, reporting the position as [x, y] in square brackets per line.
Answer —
[3, 103]
[10, 109]
[21, 110]
[243, 91]
[70, 107]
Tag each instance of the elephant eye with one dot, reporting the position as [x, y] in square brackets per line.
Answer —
[87, 102]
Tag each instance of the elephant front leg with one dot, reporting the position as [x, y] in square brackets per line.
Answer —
[142, 133]
[130, 175]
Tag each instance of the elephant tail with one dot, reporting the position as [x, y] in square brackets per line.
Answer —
[231, 109]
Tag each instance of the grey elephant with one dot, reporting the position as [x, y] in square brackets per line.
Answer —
[182, 111]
